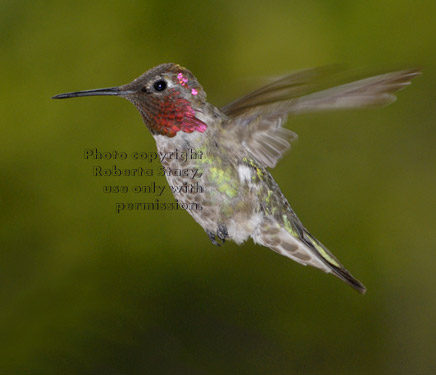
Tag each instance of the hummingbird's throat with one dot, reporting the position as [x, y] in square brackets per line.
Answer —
[171, 115]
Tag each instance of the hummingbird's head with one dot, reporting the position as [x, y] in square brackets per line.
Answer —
[168, 97]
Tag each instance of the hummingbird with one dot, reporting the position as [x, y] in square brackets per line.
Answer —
[238, 143]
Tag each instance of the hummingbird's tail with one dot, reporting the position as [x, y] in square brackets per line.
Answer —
[299, 245]
[332, 262]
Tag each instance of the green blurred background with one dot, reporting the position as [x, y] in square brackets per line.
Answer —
[87, 291]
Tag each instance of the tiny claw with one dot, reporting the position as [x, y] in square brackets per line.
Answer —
[222, 232]
[213, 239]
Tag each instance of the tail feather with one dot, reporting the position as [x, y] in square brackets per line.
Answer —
[303, 248]
[332, 262]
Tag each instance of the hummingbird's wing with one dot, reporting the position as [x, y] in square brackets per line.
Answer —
[256, 119]
[296, 84]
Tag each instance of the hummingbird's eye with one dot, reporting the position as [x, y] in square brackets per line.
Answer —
[160, 85]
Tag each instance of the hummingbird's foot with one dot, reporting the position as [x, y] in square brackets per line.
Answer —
[222, 232]
[212, 237]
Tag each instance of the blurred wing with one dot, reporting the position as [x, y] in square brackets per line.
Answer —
[369, 92]
[256, 119]
[294, 85]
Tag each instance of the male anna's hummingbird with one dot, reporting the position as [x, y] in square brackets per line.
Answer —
[238, 142]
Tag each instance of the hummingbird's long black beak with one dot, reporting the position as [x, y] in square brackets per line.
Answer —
[117, 91]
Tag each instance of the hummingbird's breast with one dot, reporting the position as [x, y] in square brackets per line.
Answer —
[212, 182]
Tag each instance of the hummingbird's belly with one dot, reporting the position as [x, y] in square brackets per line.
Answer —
[212, 191]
